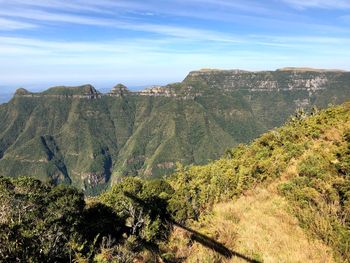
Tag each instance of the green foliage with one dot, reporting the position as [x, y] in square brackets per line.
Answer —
[313, 166]
[144, 206]
[320, 193]
[37, 220]
[61, 135]
[318, 188]
[43, 223]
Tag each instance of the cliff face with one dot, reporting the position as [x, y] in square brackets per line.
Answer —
[198, 83]
[78, 135]
[280, 80]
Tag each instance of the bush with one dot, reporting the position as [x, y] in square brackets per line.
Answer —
[313, 166]
[144, 207]
[38, 220]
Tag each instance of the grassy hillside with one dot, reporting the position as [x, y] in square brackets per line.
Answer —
[301, 176]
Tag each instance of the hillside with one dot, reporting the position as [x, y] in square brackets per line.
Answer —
[77, 135]
[284, 197]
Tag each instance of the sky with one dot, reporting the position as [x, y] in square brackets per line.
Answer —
[146, 42]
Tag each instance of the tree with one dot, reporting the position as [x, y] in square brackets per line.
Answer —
[37, 220]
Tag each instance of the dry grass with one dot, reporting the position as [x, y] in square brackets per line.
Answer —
[268, 230]
[333, 134]
[290, 172]
[257, 225]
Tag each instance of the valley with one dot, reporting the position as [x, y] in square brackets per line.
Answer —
[79, 136]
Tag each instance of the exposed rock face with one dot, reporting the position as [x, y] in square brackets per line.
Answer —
[202, 72]
[93, 179]
[21, 92]
[303, 70]
[118, 91]
[157, 91]
[90, 92]
[230, 80]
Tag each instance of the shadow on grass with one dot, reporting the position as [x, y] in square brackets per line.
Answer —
[196, 236]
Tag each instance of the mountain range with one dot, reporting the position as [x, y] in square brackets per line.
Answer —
[79, 136]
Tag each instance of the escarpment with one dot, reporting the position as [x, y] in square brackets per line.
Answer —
[99, 138]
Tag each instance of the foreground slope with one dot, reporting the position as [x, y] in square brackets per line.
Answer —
[261, 195]
[257, 226]
[78, 135]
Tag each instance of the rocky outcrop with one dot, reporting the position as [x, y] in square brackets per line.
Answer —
[119, 91]
[21, 92]
[157, 91]
[93, 179]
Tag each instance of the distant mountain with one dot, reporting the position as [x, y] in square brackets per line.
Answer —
[78, 135]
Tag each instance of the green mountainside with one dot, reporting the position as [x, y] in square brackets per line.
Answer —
[79, 136]
[285, 197]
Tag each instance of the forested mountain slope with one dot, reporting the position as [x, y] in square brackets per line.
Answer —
[78, 135]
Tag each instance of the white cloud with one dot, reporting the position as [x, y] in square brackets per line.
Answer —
[325, 4]
[125, 15]
[9, 24]
[307, 40]
[169, 30]
[100, 6]
[44, 16]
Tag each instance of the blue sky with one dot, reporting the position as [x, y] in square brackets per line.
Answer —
[104, 42]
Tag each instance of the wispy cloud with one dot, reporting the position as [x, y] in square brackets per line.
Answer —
[9, 24]
[167, 30]
[31, 46]
[124, 14]
[325, 4]
[104, 52]
[309, 40]
[44, 16]
[101, 6]
[140, 41]
[220, 10]
[151, 6]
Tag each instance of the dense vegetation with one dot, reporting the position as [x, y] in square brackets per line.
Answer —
[45, 223]
[64, 136]
[308, 158]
